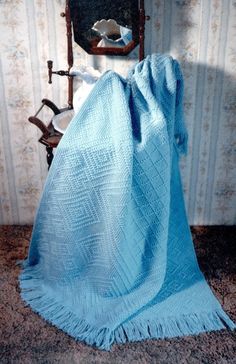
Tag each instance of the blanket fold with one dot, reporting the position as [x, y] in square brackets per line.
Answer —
[111, 257]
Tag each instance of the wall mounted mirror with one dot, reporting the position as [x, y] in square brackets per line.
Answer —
[106, 27]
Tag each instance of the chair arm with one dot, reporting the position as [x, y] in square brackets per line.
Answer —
[36, 121]
[52, 106]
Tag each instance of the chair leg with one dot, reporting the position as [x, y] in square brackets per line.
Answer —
[49, 155]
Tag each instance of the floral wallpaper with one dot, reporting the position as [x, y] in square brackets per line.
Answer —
[200, 34]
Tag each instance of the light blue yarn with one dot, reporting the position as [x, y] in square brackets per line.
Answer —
[111, 258]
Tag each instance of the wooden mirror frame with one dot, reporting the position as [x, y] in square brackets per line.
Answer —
[83, 42]
[67, 15]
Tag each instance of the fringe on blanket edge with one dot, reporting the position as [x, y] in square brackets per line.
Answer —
[103, 338]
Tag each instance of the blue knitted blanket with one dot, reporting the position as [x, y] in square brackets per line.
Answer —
[111, 257]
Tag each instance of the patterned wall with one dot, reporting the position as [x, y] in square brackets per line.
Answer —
[200, 34]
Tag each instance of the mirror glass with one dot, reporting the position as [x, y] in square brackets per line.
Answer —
[105, 26]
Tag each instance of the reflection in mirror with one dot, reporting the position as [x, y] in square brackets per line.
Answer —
[112, 34]
[105, 26]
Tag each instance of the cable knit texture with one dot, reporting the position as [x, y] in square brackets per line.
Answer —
[111, 257]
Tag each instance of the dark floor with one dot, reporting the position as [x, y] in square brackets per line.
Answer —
[26, 338]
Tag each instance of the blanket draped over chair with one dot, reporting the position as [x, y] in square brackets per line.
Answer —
[111, 257]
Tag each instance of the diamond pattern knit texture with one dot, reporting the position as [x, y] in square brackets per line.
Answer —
[111, 257]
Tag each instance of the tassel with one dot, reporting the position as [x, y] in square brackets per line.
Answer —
[103, 338]
[182, 143]
[169, 327]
